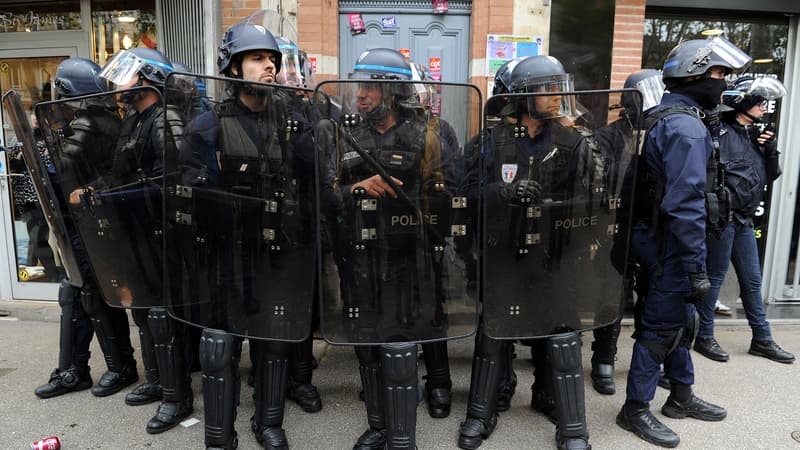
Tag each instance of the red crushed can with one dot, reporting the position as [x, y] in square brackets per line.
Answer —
[48, 443]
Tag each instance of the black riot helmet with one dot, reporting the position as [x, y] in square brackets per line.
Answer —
[78, 76]
[649, 83]
[296, 70]
[378, 64]
[243, 37]
[543, 74]
[148, 63]
[502, 78]
[695, 57]
[747, 92]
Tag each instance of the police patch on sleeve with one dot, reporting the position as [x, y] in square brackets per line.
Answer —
[509, 172]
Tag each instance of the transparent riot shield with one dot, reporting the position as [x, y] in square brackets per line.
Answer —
[49, 199]
[398, 256]
[108, 165]
[556, 211]
[239, 202]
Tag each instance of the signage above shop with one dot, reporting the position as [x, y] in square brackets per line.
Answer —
[39, 21]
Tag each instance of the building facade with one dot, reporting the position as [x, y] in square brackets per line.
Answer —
[600, 41]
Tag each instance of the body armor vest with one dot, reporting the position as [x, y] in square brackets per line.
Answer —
[248, 167]
[650, 187]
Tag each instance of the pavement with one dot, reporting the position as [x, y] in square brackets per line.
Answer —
[761, 397]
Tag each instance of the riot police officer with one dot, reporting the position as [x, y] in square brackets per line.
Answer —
[614, 139]
[750, 160]
[78, 159]
[388, 178]
[668, 239]
[148, 132]
[254, 253]
[534, 153]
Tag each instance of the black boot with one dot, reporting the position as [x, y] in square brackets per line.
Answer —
[603, 378]
[473, 431]
[682, 403]
[604, 352]
[481, 409]
[177, 398]
[372, 439]
[771, 350]
[150, 390]
[711, 349]
[637, 418]
[116, 347]
[62, 382]
[299, 389]
[269, 393]
[305, 395]
[372, 388]
[437, 381]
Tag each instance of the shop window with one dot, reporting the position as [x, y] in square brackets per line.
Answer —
[35, 16]
[764, 38]
[116, 27]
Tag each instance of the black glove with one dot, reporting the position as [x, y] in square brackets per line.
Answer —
[700, 287]
[516, 191]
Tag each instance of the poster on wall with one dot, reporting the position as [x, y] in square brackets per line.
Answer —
[356, 24]
[501, 48]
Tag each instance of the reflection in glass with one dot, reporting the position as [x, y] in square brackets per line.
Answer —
[115, 27]
[32, 16]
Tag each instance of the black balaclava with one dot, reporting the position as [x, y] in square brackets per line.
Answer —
[706, 91]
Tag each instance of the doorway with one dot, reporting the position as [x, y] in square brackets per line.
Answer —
[32, 263]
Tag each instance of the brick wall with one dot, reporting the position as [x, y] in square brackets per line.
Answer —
[626, 56]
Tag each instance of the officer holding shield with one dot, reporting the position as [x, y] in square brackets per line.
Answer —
[387, 190]
[251, 255]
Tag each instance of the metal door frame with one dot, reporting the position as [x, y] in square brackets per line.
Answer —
[10, 286]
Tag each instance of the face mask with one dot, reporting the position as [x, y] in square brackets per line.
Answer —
[706, 92]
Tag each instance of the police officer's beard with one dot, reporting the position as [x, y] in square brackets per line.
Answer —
[256, 90]
[378, 115]
[130, 97]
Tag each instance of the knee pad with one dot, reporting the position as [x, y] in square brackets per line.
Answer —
[692, 328]
[661, 344]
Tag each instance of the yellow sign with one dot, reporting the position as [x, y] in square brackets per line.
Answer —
[4, 67]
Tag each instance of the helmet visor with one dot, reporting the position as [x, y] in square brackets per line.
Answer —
[766, 87]
[559, 101]
[652, 89]
[728, 52]
[122, 68]
[291, 73]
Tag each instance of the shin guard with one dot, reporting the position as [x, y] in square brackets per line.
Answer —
[269, 390]
[219, 359]
[489, 355]
[169, 354]
[66, 300]
[399, 371]
[104, 330]
[369, 367]
[302, 361]
[437, 364]
[564, 357]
